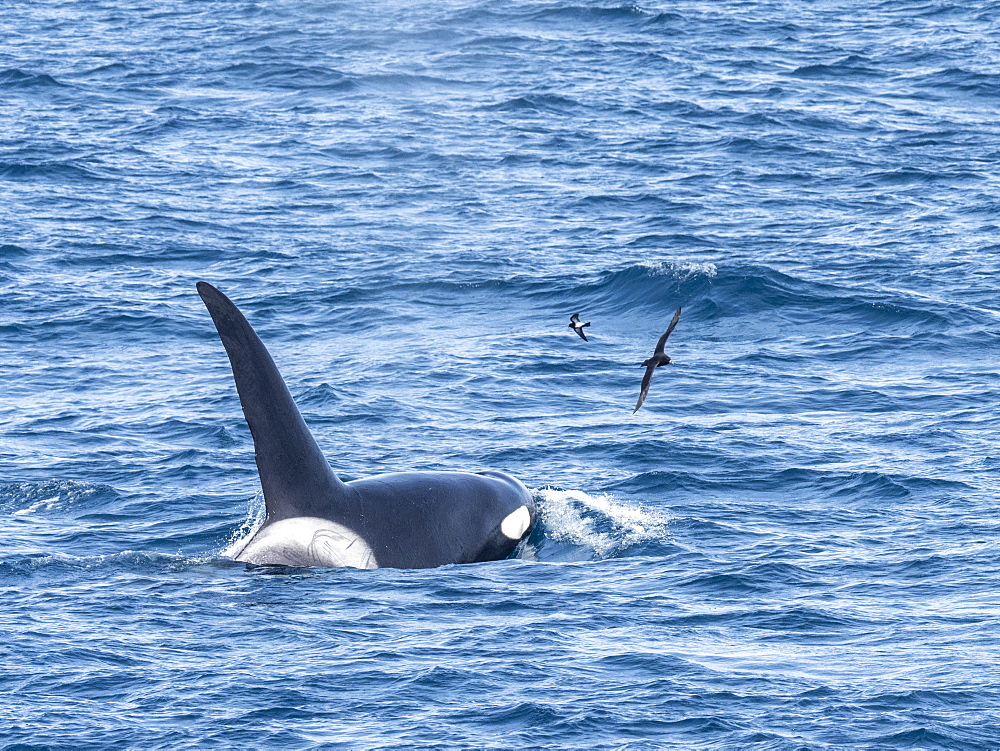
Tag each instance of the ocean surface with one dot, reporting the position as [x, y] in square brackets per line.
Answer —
[794, 543]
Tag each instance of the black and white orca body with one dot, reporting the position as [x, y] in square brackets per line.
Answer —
[399, 520]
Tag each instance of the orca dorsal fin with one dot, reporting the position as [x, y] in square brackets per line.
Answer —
[294, 474]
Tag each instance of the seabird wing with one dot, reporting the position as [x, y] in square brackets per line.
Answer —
[670, 328]
[644, 389]
[579, 330]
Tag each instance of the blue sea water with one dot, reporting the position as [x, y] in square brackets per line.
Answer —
[792, 545]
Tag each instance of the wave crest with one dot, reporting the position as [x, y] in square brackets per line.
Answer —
[27, 498]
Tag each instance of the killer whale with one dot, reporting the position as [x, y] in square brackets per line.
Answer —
[313, 519]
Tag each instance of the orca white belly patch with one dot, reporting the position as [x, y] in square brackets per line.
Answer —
[516, 523]
[309, 542]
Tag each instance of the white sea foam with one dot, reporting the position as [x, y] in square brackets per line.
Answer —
[46, 504]
[256, 511]
[681, 269]
[601, 522]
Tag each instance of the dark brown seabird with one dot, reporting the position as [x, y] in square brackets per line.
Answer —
[658, 359]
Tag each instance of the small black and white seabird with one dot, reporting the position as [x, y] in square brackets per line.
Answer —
[658, 359]
[577, 326]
